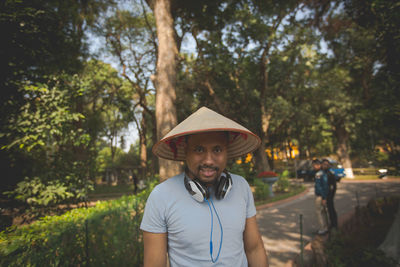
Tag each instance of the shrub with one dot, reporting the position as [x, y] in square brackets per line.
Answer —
[105, 235]
[261, 190]
[243, 169]
[356, 244]
[282, 185]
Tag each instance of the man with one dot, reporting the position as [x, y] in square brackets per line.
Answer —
[331, 177]
[321, 194]
[206, 215]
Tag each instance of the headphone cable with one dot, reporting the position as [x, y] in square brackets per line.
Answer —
[212, 226]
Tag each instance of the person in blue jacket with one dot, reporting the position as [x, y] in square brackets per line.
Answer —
[321, 193]
[331, 177]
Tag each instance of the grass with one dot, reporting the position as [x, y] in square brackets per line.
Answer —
[293, 190]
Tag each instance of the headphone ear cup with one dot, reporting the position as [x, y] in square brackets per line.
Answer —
[196, 190]
[224, 186]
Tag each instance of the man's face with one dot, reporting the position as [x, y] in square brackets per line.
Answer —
[206, 156]
[325, 165]
[316, 166]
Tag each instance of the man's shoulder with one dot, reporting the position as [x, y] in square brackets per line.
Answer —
[162, 192]
[237, 176]
[170, 182]
[238, 179]
[175, 178]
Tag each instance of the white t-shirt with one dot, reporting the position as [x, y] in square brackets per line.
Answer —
[171, 209]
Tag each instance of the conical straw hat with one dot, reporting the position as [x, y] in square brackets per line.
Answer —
[241, 140]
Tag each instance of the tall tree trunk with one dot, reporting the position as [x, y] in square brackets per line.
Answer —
[261, 156]
[165, 80]
[143, 148]
[261, 160]
[154, 160]
[342, 150]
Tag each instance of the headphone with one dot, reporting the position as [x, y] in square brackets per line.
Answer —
[200, 192]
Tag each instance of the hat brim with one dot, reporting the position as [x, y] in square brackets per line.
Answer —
[241, 141]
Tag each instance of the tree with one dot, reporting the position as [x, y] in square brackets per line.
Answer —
[379, 48]
[45, 131]
[165, 79]
[131, 41]
[250, 66]
[41, 39]
[106, 104]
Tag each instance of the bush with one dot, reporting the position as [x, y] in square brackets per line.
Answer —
[244, 169]
[343, 252]
[282, 185]
[357, 242]
[261, 190]
[44, 197]
[105, 235]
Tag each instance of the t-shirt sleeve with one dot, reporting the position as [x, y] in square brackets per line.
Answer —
[250, 208]
[154, 216]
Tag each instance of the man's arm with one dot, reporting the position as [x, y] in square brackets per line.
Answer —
[253, 244]
[155, 249]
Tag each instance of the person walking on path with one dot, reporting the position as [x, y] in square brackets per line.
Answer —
[321, 194]
[331, 177]
[205, 215]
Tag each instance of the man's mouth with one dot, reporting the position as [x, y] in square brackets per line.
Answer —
[208, 170]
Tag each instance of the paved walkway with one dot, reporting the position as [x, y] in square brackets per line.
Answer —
[279, 223]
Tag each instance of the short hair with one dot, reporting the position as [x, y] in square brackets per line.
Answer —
[316, 161]
[326, 160]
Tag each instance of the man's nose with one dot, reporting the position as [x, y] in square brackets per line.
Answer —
[208, 157]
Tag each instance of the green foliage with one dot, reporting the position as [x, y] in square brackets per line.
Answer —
[104, 235]
[45, 120]
[357, 243]
[47, 130]
[381, 158]
[285, 174]
[340, 254]
[58, 128]
[261, 190]
[34, 192]
[105, 161]
[244, 169]
[41, 38]
[42, 197]
[283, 183]
[112, 189]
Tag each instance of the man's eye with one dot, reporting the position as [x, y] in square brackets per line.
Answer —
[198, 149]
[218, 149]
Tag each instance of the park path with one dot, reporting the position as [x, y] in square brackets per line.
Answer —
[280, 225]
